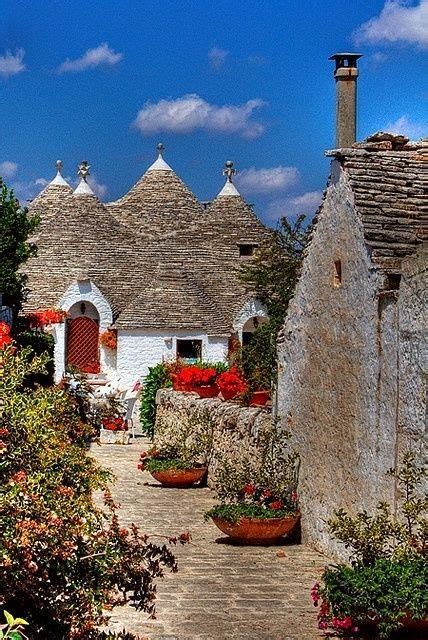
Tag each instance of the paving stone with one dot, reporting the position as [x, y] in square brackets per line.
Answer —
[221, 591]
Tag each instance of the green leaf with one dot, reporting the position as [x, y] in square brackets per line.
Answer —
[9, 618]
[20, 621]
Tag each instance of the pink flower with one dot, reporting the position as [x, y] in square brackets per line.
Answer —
[294, 496]
[315, 595]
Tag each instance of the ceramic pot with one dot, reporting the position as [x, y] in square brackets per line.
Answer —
[228, 394]
[207, 391]
[179, 478]
[259, 398]
[257, 531]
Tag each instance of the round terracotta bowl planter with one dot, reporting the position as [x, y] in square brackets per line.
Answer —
[179, 478]
[227, 394]
[207, 391]
[259, 398]
[257, 531]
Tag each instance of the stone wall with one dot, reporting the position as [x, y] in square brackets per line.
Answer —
[237, 429]
[338, 386]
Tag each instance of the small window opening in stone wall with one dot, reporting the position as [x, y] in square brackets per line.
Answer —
[337, 273]
[246, 250]
[392, 282]
[190, 351]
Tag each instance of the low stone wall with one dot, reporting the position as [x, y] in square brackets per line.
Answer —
[237, 429]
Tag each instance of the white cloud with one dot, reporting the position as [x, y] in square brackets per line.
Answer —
[8, 169]
[26, 191]
[191, 112]
[100, 56]
[97, 187]
[407, 127]
[267, 180]
[397, 22]
[11, 64]
[217, 57]
[306, 203]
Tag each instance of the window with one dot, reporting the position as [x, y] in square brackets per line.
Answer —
[246, 250]
[190, 351]
[337, 274]
[392, 282]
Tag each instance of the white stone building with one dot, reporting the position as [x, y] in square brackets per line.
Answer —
[156, 265]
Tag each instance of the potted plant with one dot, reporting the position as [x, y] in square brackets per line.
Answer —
[383, 588]
[258, 498]
[231, 384]
[114, 430]
[202, 380]
[180, 455]
[108, 339]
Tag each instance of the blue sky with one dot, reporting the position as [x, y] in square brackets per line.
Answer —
[245, 80]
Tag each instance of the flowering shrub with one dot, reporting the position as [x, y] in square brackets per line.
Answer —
[114, 424]
[157, 378]
[62, 560]
[109, 339]
[39, 319]
[386, 582]
[264, 488]
[231, 383]
[5, 337]
[192, 376]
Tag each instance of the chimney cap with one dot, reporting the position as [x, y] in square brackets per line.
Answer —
[349, 58]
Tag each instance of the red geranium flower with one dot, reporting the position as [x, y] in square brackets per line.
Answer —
[249, 489]
[276, 504]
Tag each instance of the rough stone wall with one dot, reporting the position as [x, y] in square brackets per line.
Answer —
[337, 390]
[413, 362]
[236, 429]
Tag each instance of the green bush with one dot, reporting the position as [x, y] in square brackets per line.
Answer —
[40, 343]
[157, 378]
[62, 559]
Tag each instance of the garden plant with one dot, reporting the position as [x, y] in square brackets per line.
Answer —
[64, 561]
[384, 586]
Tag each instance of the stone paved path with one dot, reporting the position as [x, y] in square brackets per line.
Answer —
[221, 591]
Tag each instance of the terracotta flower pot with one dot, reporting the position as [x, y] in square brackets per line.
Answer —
[179, 478]
[257, 531]
[259, 398]
[228, 394]
[207, 391]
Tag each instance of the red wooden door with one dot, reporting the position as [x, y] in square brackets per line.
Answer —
[82, 342]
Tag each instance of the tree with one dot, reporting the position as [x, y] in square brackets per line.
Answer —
[272, 277]
[15, 228]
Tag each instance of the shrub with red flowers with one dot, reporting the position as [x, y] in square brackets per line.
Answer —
[109, 339]
[5, 337]
[231, 383]
[44, 317]
[63, 561]
[114, 424]
[191, 377]
[384, 587]
[258, 488]
[91, 367]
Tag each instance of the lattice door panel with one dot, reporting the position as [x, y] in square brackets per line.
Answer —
[82, 342]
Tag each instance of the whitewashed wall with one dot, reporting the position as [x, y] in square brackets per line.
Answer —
[137, 350]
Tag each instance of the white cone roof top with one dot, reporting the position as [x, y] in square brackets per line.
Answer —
[58, 178]
[83, 188]
[229, 188]
[160, 164]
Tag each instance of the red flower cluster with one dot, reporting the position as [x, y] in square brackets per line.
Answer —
[91, 367]
[190, 377]
[109, 339]
[114, 424]
[231, 383]
[325, 620]
[145, 456]
[262, 497]
[47, 316]
[5, 337]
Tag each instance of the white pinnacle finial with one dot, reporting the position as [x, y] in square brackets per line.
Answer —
[160, 164]
[83, 188]
[58, 178]
[229, 188]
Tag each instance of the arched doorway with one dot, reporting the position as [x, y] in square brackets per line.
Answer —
[82, 349]
[249, 328]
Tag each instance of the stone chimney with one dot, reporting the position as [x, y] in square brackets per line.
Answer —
[346, 74]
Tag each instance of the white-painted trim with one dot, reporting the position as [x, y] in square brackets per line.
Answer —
[253, 308]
